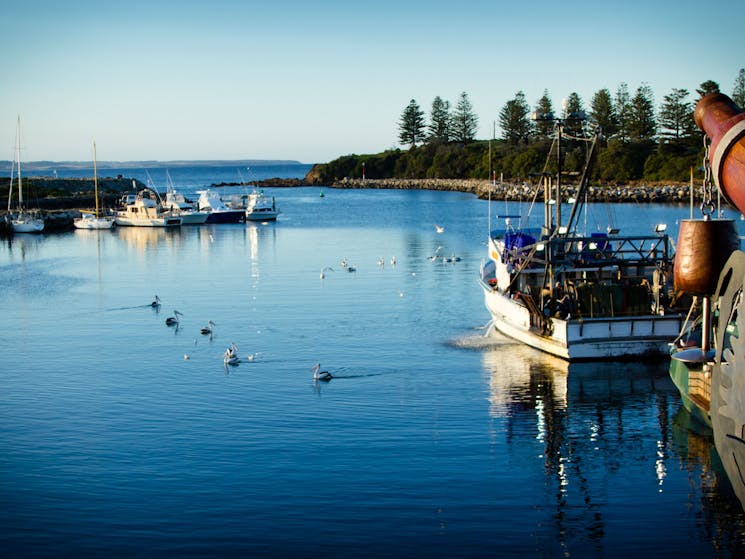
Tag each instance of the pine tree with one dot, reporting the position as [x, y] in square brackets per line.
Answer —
[642, 122]
[676, 116]
[573, 114]
[439, 121]
[514, 121]
[603, 113]
[623, 111]
[464, 122]
[707, 87]
[545, 125]
[738, 91]
[411, 125]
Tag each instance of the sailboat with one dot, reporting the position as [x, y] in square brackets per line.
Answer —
[94, 220]
[22, 220]
[578, 296]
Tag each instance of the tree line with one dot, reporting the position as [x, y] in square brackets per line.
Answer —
[638, 142]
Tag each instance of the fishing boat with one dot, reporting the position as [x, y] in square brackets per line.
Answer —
[580, 296]
[260, 207]
[708, 358]
[217, 211]
[22, 220]
[256, 205]
[144, 210]
[94, 219]
[178, 205]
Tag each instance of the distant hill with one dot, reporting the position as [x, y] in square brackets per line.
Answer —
[52, 165]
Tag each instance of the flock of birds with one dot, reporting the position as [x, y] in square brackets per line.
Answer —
[230, 355]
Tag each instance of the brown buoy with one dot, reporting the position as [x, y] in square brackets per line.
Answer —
[703, 247]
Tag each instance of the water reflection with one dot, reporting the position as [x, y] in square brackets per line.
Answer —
[143, 239]
[590, 423]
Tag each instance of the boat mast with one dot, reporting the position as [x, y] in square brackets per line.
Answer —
[95, 177]
[18, 155]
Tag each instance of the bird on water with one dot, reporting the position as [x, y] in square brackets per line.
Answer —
[174, 320]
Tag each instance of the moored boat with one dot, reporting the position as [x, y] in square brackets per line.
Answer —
[579, 296]
[217, 211]
[144, 210]
[260, 207]
[22, 219]
[715, 358]
[179, 205]
[94, 219]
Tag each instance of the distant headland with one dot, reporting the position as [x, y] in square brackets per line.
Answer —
[37, 166]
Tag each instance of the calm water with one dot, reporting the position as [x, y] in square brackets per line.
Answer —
[432, 441]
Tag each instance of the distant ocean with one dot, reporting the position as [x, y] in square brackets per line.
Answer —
[184, 174]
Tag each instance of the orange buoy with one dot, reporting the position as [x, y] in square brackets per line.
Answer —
[703, 247]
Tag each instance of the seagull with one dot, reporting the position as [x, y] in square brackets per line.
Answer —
[207, 329]
[156, 302]
[318, 374]
[439, 228]
[323, 271]
[173, 320]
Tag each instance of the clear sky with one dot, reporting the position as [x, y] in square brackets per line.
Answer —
[314, 80]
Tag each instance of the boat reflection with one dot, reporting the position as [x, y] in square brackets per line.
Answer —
[588, 424]
[147, 238]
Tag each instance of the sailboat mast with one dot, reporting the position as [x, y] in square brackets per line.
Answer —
[18, 155]
[95, 177]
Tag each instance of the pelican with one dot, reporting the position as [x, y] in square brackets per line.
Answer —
[173, 320]
[230, 357]
[318, 374]
[439, 228]
[207, 329]
[434, 256]
[156, 302]
[323, 271]
[381, 262]
[393, 260]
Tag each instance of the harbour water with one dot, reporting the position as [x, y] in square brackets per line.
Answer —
[123, 437]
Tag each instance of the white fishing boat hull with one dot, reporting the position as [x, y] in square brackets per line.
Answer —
[584, 339]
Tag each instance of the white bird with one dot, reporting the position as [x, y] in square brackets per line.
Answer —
[156, 302]
[343, 263]
[207, 329]
[173, 320]
[393, 260]
[186, 356]
[323, 271]
[439, 228]
[230, 357]
[318, 374]
[381, 262]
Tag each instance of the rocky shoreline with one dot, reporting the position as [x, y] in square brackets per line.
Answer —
[659, 194]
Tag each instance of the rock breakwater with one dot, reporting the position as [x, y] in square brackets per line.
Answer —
[664, 194]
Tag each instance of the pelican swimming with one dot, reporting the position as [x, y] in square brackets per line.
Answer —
[434, 256]
[173, 320]
[318, 374]
[230, 357]
[323, 271]
[156, 302]
[207, 329]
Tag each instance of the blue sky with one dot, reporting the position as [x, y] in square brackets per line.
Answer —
[311, 81]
